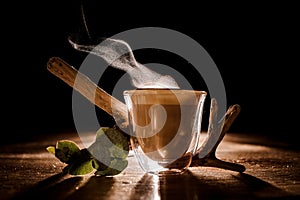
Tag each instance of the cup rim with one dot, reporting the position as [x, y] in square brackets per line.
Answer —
[162, 91]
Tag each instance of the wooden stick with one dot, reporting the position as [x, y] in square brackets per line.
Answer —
[209, 159]
[213, 131]
[89, 90]
[225, 124]
[230, 116]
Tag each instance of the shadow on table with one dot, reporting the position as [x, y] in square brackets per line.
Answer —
[61, 186]
[185, 186]
[239, 186]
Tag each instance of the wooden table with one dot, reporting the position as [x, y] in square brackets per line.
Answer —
[272, 172]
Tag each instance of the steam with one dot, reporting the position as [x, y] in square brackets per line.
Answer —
[118, 54]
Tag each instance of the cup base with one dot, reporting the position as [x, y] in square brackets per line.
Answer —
[167, 172]
[172, 172]
[176, 167]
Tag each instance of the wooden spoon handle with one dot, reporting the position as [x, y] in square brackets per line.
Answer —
[89, 90]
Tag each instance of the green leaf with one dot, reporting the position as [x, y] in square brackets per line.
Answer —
[66, 150]
[68, 145]
[99, 165]
[81, 168]
[117, 151]
[101, 131]
[100, 152]
[116, 167]
[106, 156]
[51, 149]
[115, 136]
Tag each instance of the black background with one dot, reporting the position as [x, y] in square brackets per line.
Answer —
[255, 48]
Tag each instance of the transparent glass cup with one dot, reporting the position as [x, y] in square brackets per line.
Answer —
[165, 127]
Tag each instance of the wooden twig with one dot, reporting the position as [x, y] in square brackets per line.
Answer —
[89, 90]
[209, 158]
[226, 122]
[213, 131]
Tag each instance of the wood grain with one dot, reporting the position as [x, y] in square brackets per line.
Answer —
[28, 171]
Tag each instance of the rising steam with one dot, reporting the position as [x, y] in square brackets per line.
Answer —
[118, 54]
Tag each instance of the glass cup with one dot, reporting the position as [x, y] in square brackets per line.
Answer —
[165, 127]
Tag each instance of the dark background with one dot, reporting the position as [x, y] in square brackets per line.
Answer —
[255, 48]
